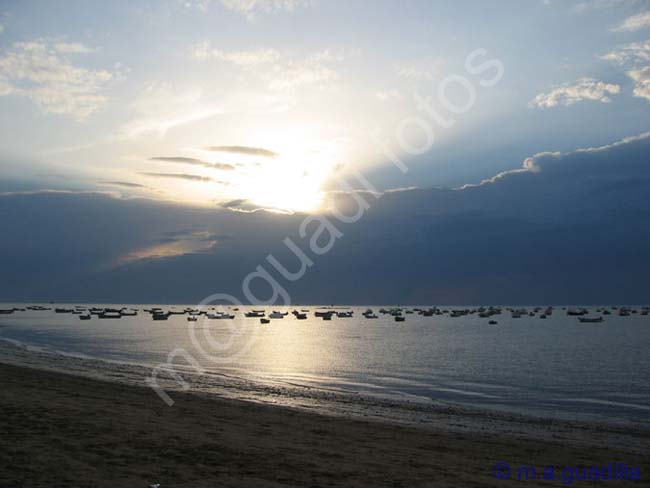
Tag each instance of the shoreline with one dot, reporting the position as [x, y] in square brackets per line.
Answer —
[443, 417]
[66, 430]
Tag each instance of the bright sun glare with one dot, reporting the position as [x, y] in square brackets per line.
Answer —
[293, 181]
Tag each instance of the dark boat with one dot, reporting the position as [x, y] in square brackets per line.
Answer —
[399, 318]
[587, 320]
[110, 315]
[265, 321]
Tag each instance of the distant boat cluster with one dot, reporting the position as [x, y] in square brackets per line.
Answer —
[399, 314]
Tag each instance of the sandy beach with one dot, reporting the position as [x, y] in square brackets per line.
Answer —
[62, 430]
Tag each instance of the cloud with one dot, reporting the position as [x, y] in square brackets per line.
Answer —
[277, 70]
[426, 69]
[634, 23]
[174, 244]
[636, 52]
[178, 176]
[124, 184]
[40, 71]
[389, 95]
[636, 55]
[243, 205]
[641, 78]
[566, 227]
[251, 7]
[569, 94]
[193, 161]
[541, 161]
[161, 107]
[72, 48]
[204, 51]
[590, 5]
[2, 28]
[314, 70]
[246, 150]
[234, 203]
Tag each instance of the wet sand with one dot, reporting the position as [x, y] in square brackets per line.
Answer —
[60, 430]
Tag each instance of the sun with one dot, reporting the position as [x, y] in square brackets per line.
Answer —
[291, 182]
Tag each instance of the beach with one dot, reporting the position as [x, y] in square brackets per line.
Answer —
[63, 430]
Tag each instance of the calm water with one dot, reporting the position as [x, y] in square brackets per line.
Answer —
[555, 367]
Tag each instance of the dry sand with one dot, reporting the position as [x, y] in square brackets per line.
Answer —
[58, 430]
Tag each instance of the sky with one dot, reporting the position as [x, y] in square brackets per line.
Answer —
[502, 148]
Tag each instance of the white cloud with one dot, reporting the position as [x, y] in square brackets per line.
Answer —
[40, 71]
[634, 23]
[251, 6]
[641, 78]
[72, 48]
[568, 94]
[636, 52]
[636, 56]
[161, 107]
[389, 95]
[277, 70]
[601, 4]
[421, 70]
[313, 70]
[537, 163]
[204, 51]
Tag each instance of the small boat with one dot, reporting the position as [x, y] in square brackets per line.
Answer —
[327, 317]
[192, 318]
[264, 321]
[254, 314]
[277, 315]
[85, 317]
[7, 311]
[110, 315]
[160, 316]
[493, 322]
[574, 312]
[62, 310]
[399, 318]
[588, 320]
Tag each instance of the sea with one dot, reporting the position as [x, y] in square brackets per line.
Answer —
[555, 367]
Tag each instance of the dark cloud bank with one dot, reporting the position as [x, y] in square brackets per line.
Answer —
[571, 228]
